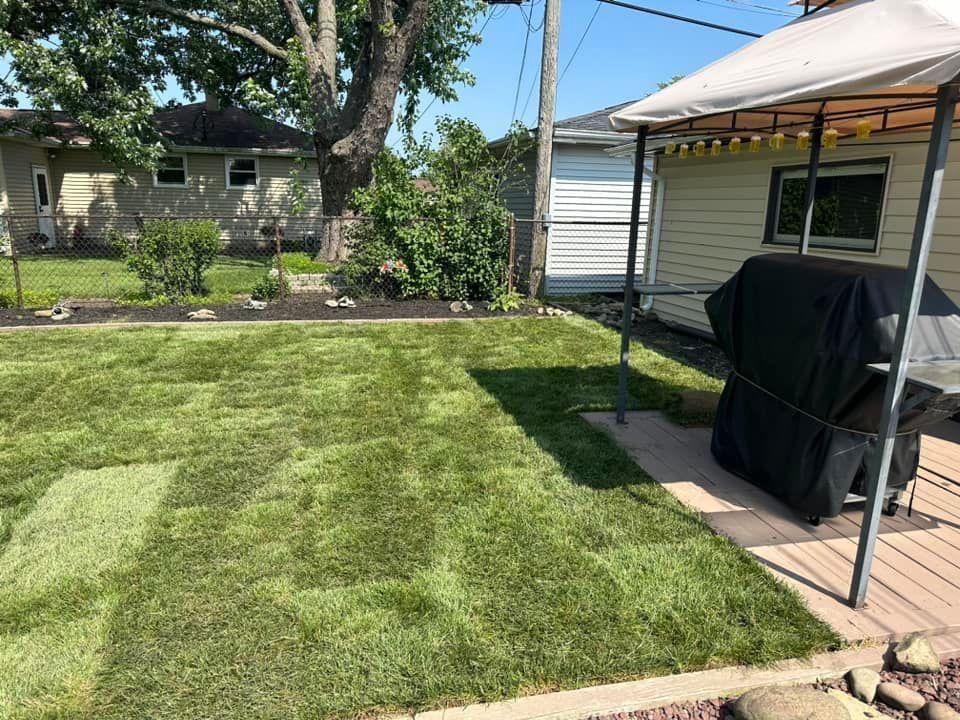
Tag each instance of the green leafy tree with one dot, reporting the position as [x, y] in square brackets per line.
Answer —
[337, 68]
[450, 239]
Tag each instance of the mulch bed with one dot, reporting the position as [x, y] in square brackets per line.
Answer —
[940, 687]
[298, 307]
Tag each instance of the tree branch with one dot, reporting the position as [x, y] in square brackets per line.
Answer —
[321, 63]
[206, 21]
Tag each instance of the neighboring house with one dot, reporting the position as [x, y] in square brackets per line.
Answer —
[588, 187]
[719, 211]
[225, 163]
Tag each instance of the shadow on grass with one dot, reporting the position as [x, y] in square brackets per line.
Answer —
[547, 402]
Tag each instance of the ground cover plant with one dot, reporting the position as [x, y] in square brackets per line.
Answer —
[328, 521]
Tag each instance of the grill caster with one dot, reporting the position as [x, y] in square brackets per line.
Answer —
[891, 508]
[814, 520]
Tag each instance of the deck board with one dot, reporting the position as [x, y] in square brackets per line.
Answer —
[915, 579]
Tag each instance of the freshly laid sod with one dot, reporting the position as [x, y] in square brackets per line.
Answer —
[329, 521]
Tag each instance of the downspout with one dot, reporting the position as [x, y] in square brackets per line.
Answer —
[653, 236]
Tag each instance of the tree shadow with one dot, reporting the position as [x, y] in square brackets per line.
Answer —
[547, 401]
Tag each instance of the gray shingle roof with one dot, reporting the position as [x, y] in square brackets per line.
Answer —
[594, 121]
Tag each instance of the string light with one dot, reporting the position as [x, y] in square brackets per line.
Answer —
[803, 140]
[863, 129]
[777, 141]
[755, 142]
[684, 151]
[734, 145]
[700, 148]
[715, 148]
[830, 139]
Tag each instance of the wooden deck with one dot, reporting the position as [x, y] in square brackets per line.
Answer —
[915, 583]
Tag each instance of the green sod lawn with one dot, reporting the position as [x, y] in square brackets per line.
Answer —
[328, 521]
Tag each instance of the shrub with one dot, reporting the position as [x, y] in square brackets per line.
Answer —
[452, 237]
[31, 298]
[172, 257]
[268, 287]
[300, 263]
[506, 300]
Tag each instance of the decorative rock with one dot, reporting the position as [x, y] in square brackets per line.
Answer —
[900, 697]
[855, 709]
[938, 711]
[540, 311]
[915, 654]
[699, 402]
[252, 304]
[863, 683]
[551, 311]
[331, 303]
[788, 703]
[202, 314]
[457, 306]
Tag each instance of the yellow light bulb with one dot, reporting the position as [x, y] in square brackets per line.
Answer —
[670, 148]
[700, 148]
[803, 140]
[734, 145]
[684, 151]
[755, 142]
[863, 129]
[715, 148]
[830, 139]
[777, 141]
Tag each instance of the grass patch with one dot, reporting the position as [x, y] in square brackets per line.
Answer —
[351, 519]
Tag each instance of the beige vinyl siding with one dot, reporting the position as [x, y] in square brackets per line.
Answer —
[715, 209]
[18, 161]
[87, 189]
[589, 184]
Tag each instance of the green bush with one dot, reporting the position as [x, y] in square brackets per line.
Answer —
[31, 299]
[506, 300]
[268, 287]
[449, 241]
[172, 257]
[300, 263]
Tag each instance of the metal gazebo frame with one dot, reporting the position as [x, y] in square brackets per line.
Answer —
[784, 119]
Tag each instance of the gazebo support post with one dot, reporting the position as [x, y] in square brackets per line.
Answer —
[878, 464]
[627, 320]
[816, 140]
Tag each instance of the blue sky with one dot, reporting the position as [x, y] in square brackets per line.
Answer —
[622, 57]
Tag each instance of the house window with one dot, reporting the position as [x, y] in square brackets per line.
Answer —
[242, 172]
[847, 208]
[171, 172]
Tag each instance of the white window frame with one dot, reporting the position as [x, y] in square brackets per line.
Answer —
[822, 243]
[226, 171]
[186, 175]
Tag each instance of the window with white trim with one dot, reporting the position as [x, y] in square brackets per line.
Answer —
[242, 172]
[847, 208]
[171, 172]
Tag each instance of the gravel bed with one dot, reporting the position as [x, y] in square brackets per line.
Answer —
[940, 687]
[298, 307]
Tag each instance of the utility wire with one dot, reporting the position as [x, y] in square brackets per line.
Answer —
[682, 18]
[583, 37]
[523, 63]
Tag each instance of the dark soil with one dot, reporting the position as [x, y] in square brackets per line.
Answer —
[940, 687]
[298, 307]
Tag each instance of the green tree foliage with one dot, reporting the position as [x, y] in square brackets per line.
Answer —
[172, 257]
[336, 68]
[448, 240]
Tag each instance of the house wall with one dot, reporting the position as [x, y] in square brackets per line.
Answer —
[87, 189]
[590, 186]
[18, 161]
[715, 209]
[587, 185]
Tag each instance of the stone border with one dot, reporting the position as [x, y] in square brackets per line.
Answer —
[656, 692]
[241, 323]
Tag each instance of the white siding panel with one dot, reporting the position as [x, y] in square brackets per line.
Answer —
[715, 210]
[590, 185]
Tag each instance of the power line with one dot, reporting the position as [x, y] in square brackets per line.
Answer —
[523, 63]
[583, 37]
[739, 6]
[682, 18]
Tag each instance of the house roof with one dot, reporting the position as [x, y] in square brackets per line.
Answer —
[186, 126]
[596, 121]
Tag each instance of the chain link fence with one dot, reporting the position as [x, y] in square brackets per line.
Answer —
[46, 259]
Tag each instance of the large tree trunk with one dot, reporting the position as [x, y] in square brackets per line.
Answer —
[340, 174]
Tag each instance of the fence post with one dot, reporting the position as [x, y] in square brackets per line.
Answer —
[512, 258]
[16, 262]
[279, 251]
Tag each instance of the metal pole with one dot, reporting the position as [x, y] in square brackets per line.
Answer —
[18, 283]
[278, 249]
[512, 256]
[816, 140]
[878, 466]
[545, 117]
[627, 320]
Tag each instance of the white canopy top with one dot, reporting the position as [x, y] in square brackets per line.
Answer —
[880, 59]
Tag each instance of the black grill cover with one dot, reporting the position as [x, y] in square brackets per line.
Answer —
[797, 414]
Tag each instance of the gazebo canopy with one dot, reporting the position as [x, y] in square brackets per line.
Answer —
[880, 60]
